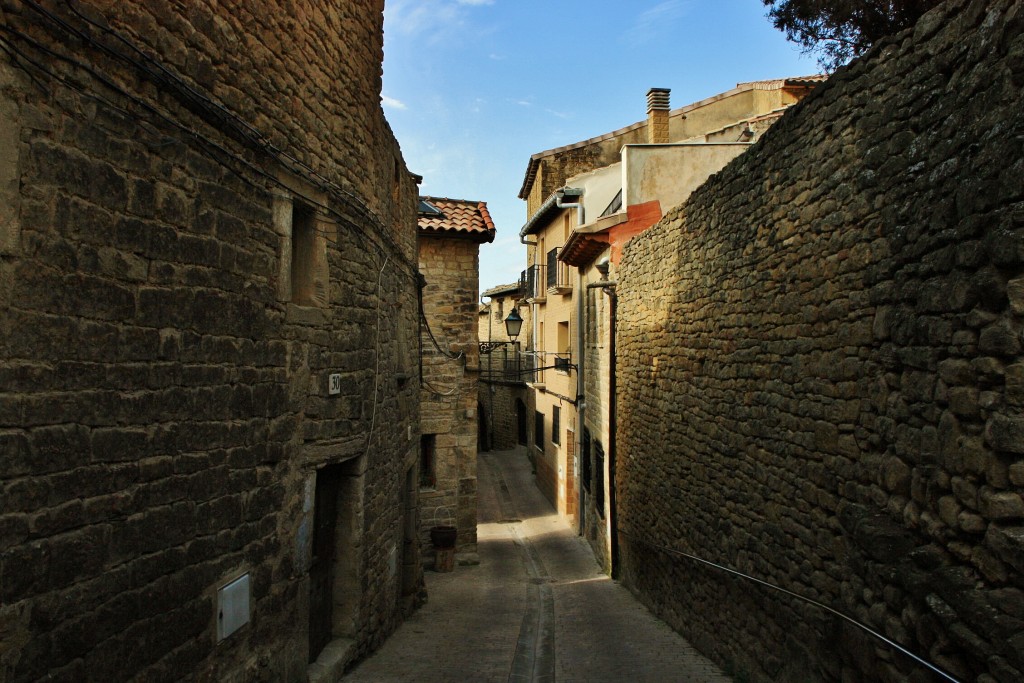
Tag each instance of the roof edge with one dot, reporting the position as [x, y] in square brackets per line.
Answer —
[534, 163]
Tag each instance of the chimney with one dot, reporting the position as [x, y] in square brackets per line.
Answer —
[657, 115]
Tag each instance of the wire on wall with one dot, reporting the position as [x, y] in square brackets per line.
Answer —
[376, 362]
[207, 108]
[772, 586]
[430, 334]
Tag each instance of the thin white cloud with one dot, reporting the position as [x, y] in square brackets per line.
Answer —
[434, 18]
[437, 20]
[392, 103]
[655, 22]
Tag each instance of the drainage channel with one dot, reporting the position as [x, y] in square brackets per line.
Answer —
[534, 660]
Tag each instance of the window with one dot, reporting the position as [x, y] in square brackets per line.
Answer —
[556, 425]
[303, 266]
[599, 478]
[585, 469]
[428, 461]
[538, 429]
[303, 277]
[562, 348]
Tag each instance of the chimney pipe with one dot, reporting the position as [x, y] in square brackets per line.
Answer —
[657, 115]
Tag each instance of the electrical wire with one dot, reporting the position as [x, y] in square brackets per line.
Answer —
[437, 392]
[376, 369]
[212, 109]
[447, 354]
[790, 593]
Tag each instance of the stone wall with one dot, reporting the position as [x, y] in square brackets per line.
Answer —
[821, 374]
[450, 266]
[164, 399]
[500, 403]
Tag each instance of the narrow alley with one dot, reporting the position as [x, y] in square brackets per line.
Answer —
[536, 607]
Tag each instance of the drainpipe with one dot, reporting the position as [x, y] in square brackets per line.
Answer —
[608, 287]
[581, 401]
[613, 533]
[490, 369]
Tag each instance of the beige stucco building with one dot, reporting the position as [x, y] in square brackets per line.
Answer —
[584, 202]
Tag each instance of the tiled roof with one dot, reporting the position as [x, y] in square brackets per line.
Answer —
[456, 217]
[501, 289]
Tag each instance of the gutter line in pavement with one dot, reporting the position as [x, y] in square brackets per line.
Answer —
[534, 660]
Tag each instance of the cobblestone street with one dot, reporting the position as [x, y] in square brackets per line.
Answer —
[535, 608]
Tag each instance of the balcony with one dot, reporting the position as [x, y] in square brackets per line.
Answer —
[559, 278]
[531, 284]
[504, 362]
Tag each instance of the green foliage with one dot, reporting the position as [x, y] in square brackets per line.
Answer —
[839, 30]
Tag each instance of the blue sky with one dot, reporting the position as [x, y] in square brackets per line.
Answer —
[472, 88]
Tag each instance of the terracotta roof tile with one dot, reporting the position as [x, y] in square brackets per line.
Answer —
[457, 217]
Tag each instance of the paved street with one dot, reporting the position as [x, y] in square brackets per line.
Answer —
[536, 607]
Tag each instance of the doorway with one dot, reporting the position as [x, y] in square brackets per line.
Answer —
[482, 436]
[521, 422]
[334, 587]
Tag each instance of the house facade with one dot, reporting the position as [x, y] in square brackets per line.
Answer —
[504, 401]
[209, 407]
[601, 193]
[450, 234]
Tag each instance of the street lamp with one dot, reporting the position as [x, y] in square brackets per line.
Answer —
[513, 324]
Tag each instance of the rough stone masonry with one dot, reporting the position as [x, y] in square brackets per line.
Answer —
[203, 215]
[822, 378]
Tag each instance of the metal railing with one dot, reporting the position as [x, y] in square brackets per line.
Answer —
[558, 276]
[504, 362]
[532, 283]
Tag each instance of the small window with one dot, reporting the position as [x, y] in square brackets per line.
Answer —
[303, 266]
[556, 425]
[599, 478]
[562, 348]
[538, 429]
[586, 470]
[428, 462]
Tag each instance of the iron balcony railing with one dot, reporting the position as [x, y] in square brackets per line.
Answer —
[531, 283]
[504, 362]
[558, 272]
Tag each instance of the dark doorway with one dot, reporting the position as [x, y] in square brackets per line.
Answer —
[335, 584]
[321, 569]
[483, 442]
[521, 422]
[410, 561]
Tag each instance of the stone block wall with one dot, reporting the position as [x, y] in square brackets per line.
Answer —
[450, 266]
[820, 372]
[502, 400]
[164, 401]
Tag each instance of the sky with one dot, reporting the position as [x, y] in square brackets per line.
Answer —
[472, 88]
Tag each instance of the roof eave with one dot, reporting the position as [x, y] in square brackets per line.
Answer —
[548, 207]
